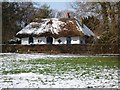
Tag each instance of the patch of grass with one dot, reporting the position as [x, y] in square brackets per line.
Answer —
[97, 77]
[64, 65]
[16, 71]
[84, 73]
[109, 61]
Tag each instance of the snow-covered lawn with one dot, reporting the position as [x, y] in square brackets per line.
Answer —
[57, 71]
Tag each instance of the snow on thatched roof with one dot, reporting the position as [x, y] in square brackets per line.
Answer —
[52, 25]
[55, 27]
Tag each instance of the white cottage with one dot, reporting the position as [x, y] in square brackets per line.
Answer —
[55, 31]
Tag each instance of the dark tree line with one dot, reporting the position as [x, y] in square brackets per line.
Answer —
[111, 18]
[17, 15]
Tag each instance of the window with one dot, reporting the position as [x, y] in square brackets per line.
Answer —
[81, 42]
[75, 40]
[49, 40]
[30, 40]
[39, 41]
[59, 41]
[68, 40]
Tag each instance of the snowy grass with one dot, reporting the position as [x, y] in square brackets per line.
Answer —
[59, 65]
[58, 72]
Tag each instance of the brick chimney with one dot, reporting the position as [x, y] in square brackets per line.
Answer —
[68, 15]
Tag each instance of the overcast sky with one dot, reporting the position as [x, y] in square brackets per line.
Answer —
[58, 5]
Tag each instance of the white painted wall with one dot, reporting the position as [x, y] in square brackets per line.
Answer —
[25, 41]
[40, 40]
[75, 40]
[35, 40]
[63, 40]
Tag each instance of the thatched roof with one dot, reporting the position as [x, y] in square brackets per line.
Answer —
[56, 28]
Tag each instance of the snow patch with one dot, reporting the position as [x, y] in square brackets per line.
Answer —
[28, 29]
[54, 28]
[32, 80]
[71, 79]
[52, 25]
